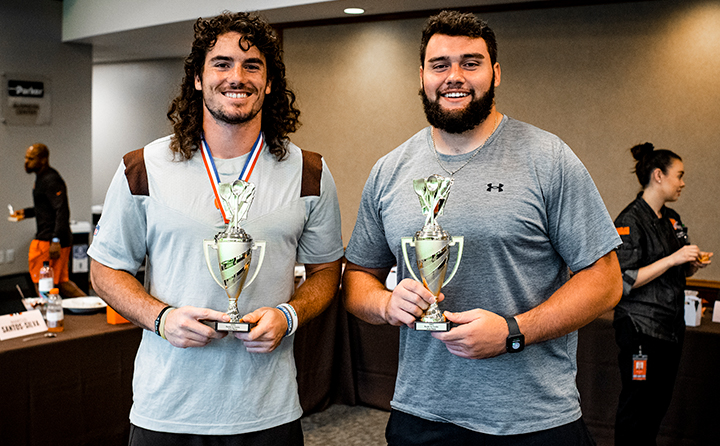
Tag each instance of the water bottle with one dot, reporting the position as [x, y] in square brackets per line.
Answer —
[45, 284]
[55, 314]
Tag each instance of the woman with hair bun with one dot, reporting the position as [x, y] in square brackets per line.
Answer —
[655, 258]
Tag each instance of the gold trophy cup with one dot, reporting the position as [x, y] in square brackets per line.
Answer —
[432, 248]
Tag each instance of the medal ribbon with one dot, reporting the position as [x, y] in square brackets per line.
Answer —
[214, 176]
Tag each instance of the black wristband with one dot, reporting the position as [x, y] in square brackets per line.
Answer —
[157, 321]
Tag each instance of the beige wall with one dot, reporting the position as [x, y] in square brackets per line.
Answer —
[603, 78]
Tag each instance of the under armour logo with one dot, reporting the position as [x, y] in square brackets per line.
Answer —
[499, 187]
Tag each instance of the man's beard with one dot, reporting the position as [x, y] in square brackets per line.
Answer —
[459, 121]
[221, 116]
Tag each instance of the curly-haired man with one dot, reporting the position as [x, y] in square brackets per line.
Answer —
[192, 383]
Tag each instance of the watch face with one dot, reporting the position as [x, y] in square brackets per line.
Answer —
[515, 344]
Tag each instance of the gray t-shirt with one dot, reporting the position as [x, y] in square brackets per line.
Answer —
[528, 210]
[219, 389]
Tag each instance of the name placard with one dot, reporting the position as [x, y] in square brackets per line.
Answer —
[21, 324]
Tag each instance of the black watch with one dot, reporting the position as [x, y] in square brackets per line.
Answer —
[515, 341]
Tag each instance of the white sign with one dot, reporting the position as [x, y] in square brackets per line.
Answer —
[21, 324]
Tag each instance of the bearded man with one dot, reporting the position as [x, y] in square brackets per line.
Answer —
[538, 260]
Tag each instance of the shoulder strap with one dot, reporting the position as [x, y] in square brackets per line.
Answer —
[136, 173]
[311, 174]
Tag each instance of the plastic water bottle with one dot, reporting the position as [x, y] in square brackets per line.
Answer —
[45, 284]
[55, 313]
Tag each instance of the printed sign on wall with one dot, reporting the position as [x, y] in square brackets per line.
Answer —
[25, 99]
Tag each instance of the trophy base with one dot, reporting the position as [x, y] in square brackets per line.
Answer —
[242, 327]
[433, 326]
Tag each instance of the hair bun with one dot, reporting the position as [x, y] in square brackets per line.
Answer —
[640, 151]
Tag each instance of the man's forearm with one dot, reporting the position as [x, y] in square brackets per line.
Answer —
[365, 295]
[588, 294]
[126, 295]
[317, 291]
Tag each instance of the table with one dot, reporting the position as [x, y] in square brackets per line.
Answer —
[692, 417]
[75, 389]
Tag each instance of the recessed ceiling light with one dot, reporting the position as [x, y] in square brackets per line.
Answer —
[354, 11]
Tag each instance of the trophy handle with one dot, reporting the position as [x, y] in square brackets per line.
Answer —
[460, 241]
[404, 241]
[211, 243]
[258, 244]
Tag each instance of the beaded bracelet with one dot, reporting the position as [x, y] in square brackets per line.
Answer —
[157, 320]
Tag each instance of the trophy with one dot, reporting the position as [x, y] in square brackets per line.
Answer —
[234, 251]
[432, 248]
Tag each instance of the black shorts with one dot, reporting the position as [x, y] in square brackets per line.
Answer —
[407, 430]
[286, 434]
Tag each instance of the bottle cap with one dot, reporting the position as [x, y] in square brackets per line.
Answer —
[54, 291]
[46, 263]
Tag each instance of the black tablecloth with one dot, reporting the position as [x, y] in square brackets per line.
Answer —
[74, 389]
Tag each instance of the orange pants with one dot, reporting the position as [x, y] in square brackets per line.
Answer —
[39, 253]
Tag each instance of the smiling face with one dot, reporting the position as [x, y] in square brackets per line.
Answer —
[671, 183]
[458, 81]
[234, 81]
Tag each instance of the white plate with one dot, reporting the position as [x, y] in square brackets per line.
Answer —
[83, 304]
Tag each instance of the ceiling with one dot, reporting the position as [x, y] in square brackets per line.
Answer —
[173, 40]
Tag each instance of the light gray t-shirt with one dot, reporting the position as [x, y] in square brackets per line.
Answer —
[219, 389]
[528, 210]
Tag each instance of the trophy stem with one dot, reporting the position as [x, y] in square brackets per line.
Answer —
[433, 314]
[233, 311]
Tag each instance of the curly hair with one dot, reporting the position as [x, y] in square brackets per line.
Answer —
[279, 115]
[648, 159]
[454, 23]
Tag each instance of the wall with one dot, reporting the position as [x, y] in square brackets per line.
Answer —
[129, 107]
[30, 43]
[603, 78]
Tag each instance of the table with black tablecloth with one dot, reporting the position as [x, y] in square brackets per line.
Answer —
[74, 389]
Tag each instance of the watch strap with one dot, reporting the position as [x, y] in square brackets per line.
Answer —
[512, 325]
[515, 341]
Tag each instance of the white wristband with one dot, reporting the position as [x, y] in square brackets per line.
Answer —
[289, 311]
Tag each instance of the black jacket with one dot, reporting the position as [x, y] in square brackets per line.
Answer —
[657, 308]
[51, 211]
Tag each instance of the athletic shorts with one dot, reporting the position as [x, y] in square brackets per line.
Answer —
[40, 252]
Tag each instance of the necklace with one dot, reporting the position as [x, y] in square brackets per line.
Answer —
[475, 152]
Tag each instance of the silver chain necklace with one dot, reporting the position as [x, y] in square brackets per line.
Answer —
[437, 157]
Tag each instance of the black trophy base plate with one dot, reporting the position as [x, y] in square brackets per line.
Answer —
[433, 326]
[241, 327]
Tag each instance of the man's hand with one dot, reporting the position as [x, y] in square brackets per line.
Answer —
[184, 327]
[407, 302]
[478, 334]
[18, 215]
[55, 250]
[267, 334]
